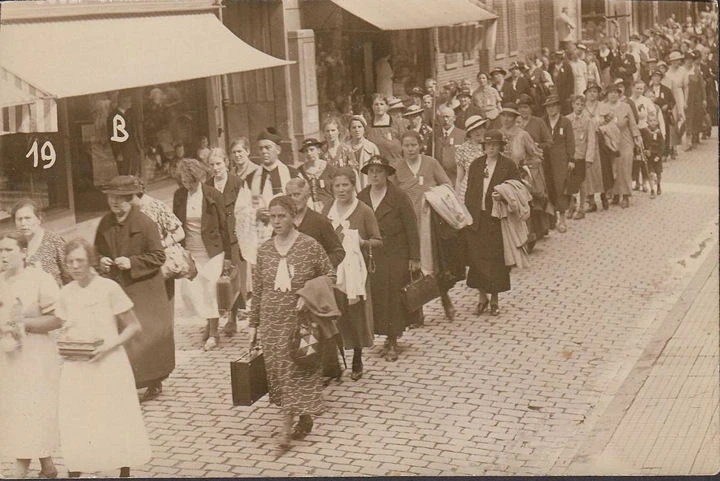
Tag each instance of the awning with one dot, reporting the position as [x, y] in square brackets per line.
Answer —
[413, 14]
[12, 96]
[76, 57]
[24, 108]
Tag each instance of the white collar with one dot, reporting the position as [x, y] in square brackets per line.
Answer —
[336, 219]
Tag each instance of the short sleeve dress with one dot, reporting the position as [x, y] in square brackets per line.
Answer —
[49, 257]
[30, 376]
[101, 425]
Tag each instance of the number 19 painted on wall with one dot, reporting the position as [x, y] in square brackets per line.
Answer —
[46, 153]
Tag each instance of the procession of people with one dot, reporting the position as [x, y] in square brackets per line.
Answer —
[378, 203]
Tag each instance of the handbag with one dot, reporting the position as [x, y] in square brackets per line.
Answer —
[179, 263]
[305, 344]
[227, 289]
[248, 378]
[419, 291]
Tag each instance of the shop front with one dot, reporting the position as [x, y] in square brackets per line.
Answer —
[386, 46]
[128, 92]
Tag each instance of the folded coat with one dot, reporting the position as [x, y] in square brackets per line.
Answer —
[513, 211]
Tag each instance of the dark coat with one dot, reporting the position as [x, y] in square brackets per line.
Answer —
[213, 228]
[152, 352]
[510, 94]
[401, 243]
[484, 240]
[445, 150]
[319, 228]
[229, 195]
[564, 84]
[462, 115]
[556, 160]
[665, 100]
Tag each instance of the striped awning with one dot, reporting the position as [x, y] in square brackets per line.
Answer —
[24, 107]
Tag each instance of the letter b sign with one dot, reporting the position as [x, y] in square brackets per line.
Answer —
[119, 134]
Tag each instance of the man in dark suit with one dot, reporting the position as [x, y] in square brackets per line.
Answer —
[516, 85]
[229, 186]
[124, 141]
[564, 81]
[447, 137]
[559, 158]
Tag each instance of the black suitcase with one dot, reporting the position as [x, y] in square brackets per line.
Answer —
[248, 378]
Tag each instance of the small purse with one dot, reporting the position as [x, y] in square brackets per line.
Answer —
[419, 292]
[305, 344]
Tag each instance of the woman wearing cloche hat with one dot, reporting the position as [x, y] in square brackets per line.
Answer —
[484, 238]
[468, 151]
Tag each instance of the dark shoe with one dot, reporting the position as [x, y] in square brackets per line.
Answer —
[230, 328]
[659, 190]
[151, 393]
[625, 203]
[327, 380]
[616, 199]
[385, 348]
[494, 310]
[482, 307]
[604, 201]
[356, 374]
[593, 207]
[302, 428]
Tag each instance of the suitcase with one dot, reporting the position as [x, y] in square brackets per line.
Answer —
[227, 290]
[248, 378]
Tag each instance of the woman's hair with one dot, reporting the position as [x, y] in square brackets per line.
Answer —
[217, 152]
[284, 201]
[411, 133]
[377, 96]
[575, 98]
[19, 239]
[243, 142]
[358, 118]
[348, 172]
[342, 131]
[27, 202]
[80, 243]
[193, 168]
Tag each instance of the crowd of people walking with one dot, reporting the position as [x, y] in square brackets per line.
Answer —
[451, 184]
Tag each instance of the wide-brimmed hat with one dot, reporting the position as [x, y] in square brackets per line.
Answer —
[592, 85]
[510, 108]
[412, 111]
[560, 53]
[395, 103]
[675, 55]
[497, 70]
[551, 100]
[524, 99]
[619, 81]
[378, 161]
[123, 185]
[582, 46]
[473, 122]
[493, 136]
[311, 142]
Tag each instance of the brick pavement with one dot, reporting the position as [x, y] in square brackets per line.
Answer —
[483, 396]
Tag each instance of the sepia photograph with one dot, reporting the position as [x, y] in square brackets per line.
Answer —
[359, 238]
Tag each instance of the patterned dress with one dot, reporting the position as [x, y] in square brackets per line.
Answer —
[161, 214]
[50, 257]
[465, 154]
[298, 391]
[343, 156]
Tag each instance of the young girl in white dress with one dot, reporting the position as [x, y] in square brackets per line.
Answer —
[101, 425]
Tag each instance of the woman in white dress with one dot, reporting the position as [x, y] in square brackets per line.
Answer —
[101, 425]
[30, 373]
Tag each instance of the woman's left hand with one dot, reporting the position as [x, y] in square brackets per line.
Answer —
[122, 263]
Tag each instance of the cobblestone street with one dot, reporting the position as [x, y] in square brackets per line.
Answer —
[520, 394]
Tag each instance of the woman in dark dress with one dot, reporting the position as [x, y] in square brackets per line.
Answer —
[399, 255]
[488, 272]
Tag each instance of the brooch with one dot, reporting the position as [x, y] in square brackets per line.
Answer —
[486, 172]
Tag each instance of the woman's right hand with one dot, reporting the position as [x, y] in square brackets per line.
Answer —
[106, 263]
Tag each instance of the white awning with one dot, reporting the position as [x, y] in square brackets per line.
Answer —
[414, 14]
[12, 96]
[77, 57]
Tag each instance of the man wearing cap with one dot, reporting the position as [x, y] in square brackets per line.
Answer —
[466, 109]
[272, 176]
[515, 85]
[131, 253]
[564, 81]
[416, 122]
[447, 137]
[559, 158]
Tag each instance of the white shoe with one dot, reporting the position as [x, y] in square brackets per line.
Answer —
[210, 344]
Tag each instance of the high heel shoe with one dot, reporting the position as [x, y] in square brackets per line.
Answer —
[494, 310]
[481, 307]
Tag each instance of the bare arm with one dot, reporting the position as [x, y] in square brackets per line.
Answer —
[129, 328]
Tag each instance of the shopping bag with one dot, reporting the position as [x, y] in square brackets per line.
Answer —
[419, 291]
[248, 378]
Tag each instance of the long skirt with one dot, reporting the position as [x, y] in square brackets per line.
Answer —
[486, 256]
[622, 168]
[200, 294]
[356, 325]
[29, 380]
[593, 183]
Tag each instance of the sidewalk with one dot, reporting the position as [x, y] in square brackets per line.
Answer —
[664, 420]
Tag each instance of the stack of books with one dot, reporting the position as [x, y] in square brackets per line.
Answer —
[79, 350]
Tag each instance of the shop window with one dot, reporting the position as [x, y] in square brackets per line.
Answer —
[32, 166]
[453, 61]
[468, 58]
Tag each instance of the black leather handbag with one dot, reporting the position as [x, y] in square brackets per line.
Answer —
[420, 291]
[248, 378]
